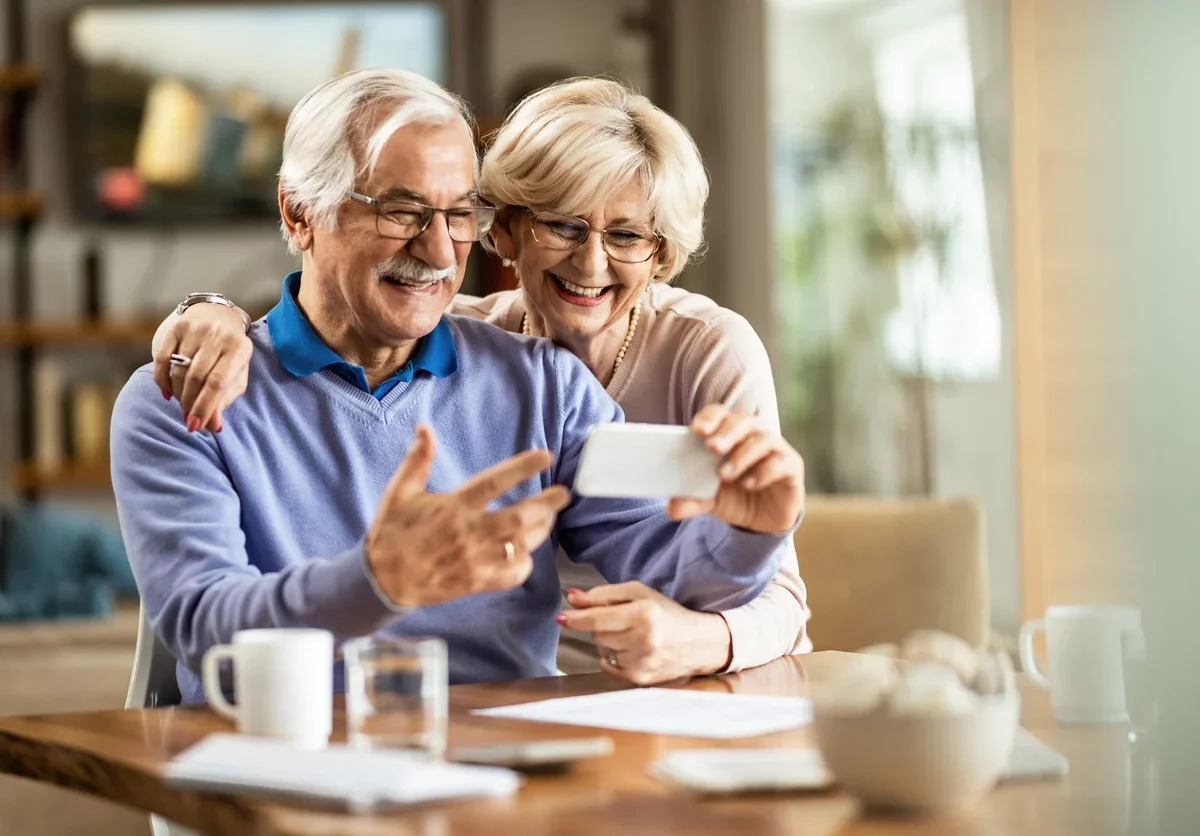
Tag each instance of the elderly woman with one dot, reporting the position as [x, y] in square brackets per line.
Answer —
[601, 204]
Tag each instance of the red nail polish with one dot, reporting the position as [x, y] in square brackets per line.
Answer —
[574, 591]
[193, 424]
[166, 393]
[561, 619]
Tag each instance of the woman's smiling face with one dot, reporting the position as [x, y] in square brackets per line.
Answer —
[582, 291]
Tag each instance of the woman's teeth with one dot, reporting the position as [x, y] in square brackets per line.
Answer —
[579, 290]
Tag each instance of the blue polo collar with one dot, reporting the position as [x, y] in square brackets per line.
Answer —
[302, 352]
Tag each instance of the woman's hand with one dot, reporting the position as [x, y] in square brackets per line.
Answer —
[214, 337]
[762, 476]
[645, 637]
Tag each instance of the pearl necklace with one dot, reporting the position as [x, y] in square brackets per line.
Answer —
[633, 324]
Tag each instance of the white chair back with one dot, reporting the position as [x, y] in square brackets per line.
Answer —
[153, 684]
[153, 681]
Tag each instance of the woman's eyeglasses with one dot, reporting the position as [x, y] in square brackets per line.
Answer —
[566, 232]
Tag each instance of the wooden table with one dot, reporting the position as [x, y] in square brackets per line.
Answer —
[118, 755]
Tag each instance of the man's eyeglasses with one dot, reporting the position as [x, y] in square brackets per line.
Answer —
[404, 220]
[566, 232]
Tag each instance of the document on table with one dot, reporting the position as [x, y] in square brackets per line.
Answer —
[359, 780]
[668, 711]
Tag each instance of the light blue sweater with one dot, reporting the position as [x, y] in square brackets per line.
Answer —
[262, 525]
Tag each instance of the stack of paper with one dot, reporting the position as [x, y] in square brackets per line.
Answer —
[757, 770]
[354, 778]
[743, 770]
[668, 711]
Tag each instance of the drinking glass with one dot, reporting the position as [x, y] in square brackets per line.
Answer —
[396, 694]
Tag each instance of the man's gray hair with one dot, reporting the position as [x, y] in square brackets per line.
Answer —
[323, 152]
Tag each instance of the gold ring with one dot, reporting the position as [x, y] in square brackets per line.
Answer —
[510, 553]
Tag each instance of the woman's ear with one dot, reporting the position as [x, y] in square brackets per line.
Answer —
[504, 234]
[658, 272]
[298, 228]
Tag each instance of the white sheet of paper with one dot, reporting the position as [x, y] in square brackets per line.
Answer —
[668, 711]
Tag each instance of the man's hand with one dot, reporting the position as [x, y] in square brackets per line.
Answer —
[425, 548]
[762, 476]
[645, 637]
[214, 337]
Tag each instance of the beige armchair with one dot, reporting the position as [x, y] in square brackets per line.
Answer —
[877, 568]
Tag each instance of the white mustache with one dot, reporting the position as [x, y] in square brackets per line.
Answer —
[414, 270]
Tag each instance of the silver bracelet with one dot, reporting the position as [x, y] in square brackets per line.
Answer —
[214, 298]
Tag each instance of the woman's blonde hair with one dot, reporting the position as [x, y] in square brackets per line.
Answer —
[570, 146]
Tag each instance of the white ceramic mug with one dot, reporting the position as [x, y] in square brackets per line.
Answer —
[1085, 667]
[283, 682]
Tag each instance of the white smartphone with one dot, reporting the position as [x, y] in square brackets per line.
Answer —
[646, 460]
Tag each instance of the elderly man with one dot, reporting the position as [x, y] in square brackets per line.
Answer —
[295, 513]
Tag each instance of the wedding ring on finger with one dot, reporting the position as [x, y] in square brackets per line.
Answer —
[180, 361]
[510, 553]
[610, 659]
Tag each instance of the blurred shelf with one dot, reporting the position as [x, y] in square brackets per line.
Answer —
[68, 476]
[77, 332]
[118, 629]
[18, 77]
[16, 206]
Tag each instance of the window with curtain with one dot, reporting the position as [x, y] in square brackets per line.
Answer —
[947, 323]
[884, 272]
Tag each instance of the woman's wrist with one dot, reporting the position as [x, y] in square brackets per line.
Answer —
[712, 643]
[194, 300]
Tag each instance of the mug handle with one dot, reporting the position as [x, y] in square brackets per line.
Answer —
[211, 679]
[1025, 641]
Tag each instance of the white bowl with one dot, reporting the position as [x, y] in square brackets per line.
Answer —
[919, 762]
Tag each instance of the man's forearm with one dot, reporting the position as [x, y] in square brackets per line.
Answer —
[181, 521]
[191, 615]
[731, 567]
[702, 563]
